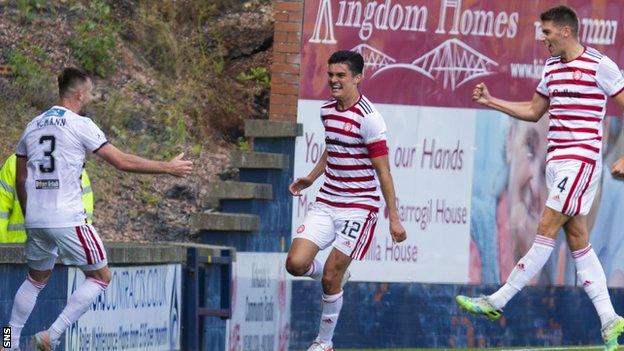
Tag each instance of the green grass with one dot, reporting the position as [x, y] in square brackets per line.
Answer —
[477, 349]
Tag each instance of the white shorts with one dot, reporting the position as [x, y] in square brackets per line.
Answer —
[572, 185]
[79, 246]
[349, 230]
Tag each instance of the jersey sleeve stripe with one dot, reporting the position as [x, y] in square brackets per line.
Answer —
[618, 92]
[586, 59]
[377, 149]
[101, 146]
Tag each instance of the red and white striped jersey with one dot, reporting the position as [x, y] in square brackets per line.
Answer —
[352, 138]
[578, 92]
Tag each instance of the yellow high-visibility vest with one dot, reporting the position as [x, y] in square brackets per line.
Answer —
[11, 218]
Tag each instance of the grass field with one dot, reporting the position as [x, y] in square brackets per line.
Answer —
[498, 349]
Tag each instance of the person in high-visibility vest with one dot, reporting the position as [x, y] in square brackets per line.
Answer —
[11, 217]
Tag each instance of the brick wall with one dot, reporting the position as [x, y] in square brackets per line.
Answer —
[286, 60]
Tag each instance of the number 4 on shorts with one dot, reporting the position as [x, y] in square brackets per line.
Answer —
[562, 184]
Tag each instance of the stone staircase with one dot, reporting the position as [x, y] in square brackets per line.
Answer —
[251, 214]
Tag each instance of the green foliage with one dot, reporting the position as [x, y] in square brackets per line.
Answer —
[259, 75]
[27, 9]
[35, 84]
[243, 144]
[94, 43]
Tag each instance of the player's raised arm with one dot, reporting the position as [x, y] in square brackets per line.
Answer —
[530, 111]
[301, 183]
[131, 163]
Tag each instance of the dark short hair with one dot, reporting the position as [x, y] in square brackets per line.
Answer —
[354, 60]
[562, 16]
[69, 78]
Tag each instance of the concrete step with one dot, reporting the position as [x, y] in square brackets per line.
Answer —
[239, 190]
[263, 128]
[262, 160]
[217, 221]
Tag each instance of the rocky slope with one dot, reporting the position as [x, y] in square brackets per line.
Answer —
[170, 77]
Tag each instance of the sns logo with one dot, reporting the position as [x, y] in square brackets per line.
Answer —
[6, 337]
[587, 283]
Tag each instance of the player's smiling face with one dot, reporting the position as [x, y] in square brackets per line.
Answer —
[552, 37]
[342, 82]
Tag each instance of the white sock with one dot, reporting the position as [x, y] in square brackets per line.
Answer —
[525, 270]
[332, 304]
[316, 270]
[25, 300]
[590, 274]
[77, 305]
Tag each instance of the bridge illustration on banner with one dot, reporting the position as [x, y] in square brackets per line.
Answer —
[453, 61]
[373, 58]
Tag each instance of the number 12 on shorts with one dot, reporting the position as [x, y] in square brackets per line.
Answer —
[351, 228]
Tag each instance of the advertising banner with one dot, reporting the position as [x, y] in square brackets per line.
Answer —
[260, 303]
[473, 212]
[140, 310]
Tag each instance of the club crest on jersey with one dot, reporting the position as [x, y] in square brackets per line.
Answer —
[347, 126]
[577, 75]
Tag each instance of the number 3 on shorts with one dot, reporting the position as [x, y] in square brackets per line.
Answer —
[351, 229]
[562, 184]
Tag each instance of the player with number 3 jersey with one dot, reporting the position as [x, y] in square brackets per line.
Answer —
[51, 154]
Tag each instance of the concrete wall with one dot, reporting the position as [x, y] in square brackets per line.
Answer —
[53, 298]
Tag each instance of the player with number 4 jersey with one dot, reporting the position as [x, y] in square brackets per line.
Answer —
[574, 88]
